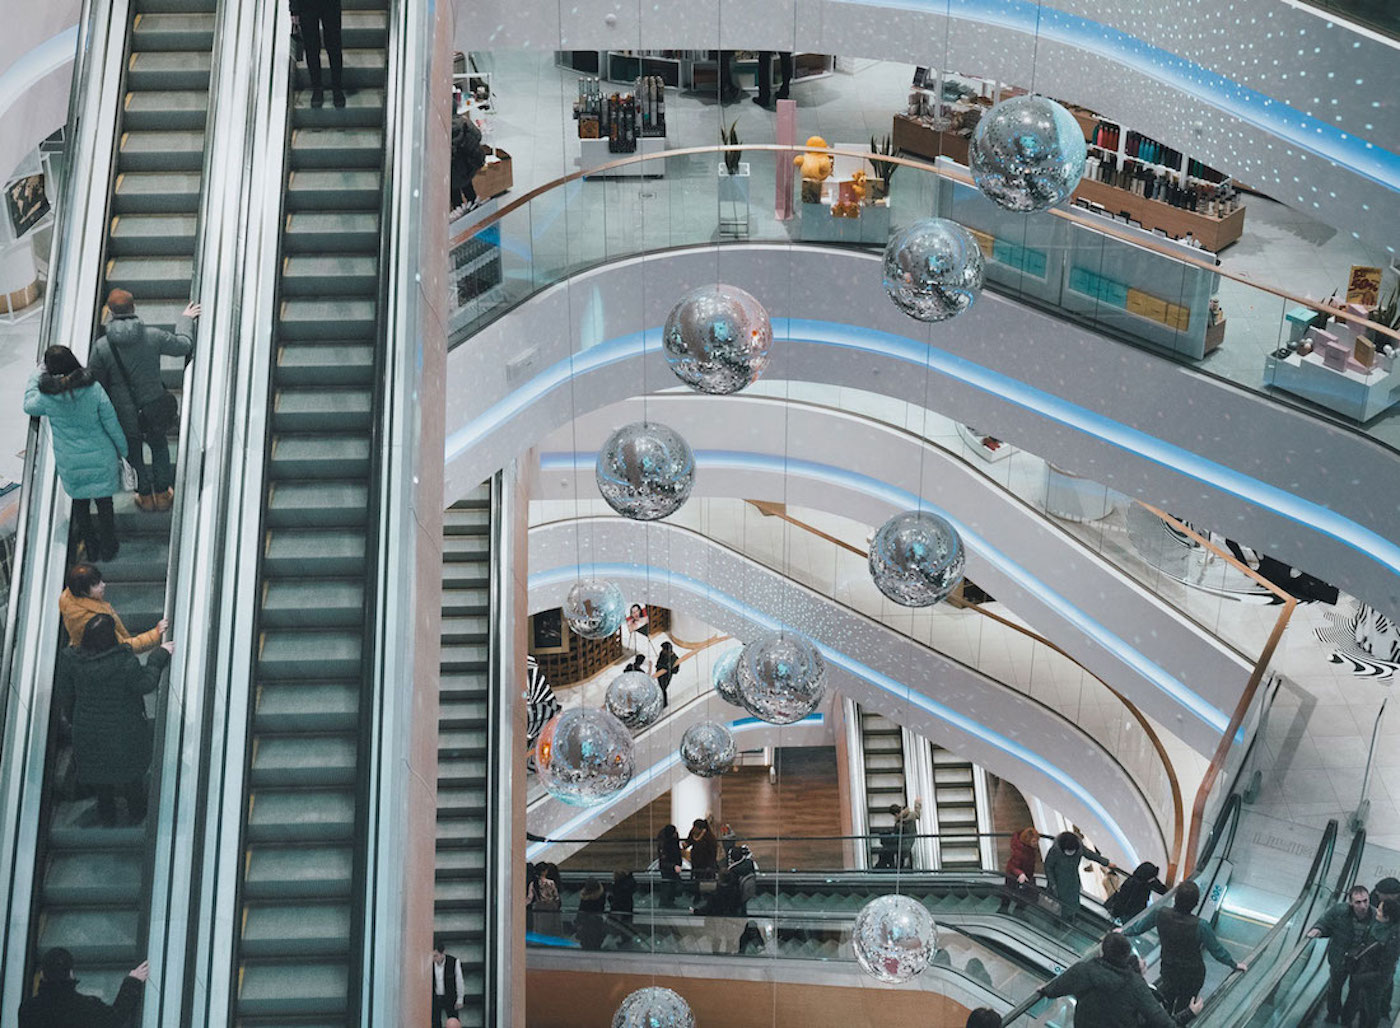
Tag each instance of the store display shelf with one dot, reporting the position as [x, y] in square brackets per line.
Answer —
[1214, 234]
[594, 153]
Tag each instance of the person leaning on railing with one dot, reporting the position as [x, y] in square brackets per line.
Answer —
[1184, 937]
[1110, 991]
[1344, 927]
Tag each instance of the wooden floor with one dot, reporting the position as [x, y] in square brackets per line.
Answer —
[1010, 814]
[803, 801]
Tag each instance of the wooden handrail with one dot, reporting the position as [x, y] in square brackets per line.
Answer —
[779, 510]
[1256, 676]
[1092, 223]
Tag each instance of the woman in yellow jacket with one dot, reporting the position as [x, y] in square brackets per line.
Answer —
[83, 600]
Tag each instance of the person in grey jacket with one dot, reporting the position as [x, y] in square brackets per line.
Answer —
[1062, 871]
[126, 360]
[1111, 992]
[1345, 927]
[87, 444]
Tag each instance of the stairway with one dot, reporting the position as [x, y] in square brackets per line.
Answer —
[955, 807]
[460, 885]
[882, 744]
[295, 956]
[92, 897]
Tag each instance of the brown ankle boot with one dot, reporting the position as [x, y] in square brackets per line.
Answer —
[145, 503]
[165, 500]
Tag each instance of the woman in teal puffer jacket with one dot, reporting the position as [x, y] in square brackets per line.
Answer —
[87, 443]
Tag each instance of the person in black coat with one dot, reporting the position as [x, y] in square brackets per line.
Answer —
[623, 897]
[58, 1004]
[668, 864]
[99, 687]
[667, 664]
[1133, 895]
[468, 157]
[318, 21]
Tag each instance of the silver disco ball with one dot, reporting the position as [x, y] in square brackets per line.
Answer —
[782, 677]
[584, 756]
[635, 699]
[717, 339]
[594, 609]
[653, 1007]
[933, 269]
[894, 938]
[726, 675]
[645, 471]
[916, 558]
[1027, 154]
[707, 749]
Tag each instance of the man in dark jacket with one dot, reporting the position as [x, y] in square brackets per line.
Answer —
[1373, 968]
[126, 360]
[1183, 936]
[1344, 927]
[449, 985]
[1062, 871]
[1111, 993]
[58, 1004]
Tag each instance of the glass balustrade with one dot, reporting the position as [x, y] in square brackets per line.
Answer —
[1143, 290]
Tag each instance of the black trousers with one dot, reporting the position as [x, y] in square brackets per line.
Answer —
[1336, 980]
[443, 1008]
[133, 792]
[101, 539]
[765, 75]
[320, 26]
[1180, 985]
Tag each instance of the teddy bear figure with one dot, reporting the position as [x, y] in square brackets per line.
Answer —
[816, 168]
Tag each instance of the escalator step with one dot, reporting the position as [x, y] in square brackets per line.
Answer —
[313, 603]
[331, 551]
[302, 815]
[364, 69]
[152, 235]
[318, 504]
[463, 894]
[93, 878]
[461, 801]
[325, 364]
[335, 189]
[364, 108]
[300, 655]
[152, 31]
[307, 706]
[295, 760]
[296, 930]
[168, 71]
[330, 276]
[151, 276]
[336, 148]
[461, 771]
[161, 313]
[166, 111]
[319, 456]
[324, 233]
[305, 871]
[94, 935]
[157, 151]
[282, 987]
[467, 520]
[142, 559]
[464, 658]
[340, 321]
[460, 855]
[465, 548]
[156, 192]
[321, 410]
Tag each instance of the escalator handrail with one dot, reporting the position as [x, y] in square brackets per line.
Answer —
[32, 623]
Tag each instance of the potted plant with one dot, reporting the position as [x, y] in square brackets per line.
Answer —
[884, 170]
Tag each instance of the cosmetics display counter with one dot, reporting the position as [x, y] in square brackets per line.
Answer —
[1334, 367]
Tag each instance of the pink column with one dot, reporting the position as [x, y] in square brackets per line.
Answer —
[787, 136]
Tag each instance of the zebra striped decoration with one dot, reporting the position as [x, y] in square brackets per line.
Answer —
[540, 704]
[1365, 639]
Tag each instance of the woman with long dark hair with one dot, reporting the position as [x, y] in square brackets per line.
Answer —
[668, 863]
[99, 687]
[88, 444]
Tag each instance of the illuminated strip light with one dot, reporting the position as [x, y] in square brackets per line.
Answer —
[568, 573]
[661, 767]
[1210, 87]
[902, 499]
[1310, 515]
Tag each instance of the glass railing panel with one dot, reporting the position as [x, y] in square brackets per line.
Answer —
[1144, 290]
[1381, 15]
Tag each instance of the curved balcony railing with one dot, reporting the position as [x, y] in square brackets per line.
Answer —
[968, 635]
[1142, 290]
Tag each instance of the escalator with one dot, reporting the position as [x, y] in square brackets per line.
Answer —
[459, 908]
[93, 884]
[882, 746]
[298, 934]
[955, 802]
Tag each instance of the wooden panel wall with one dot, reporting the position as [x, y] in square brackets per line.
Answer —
[804, 800]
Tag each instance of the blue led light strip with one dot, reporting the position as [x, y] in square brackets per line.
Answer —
[568, 573]
[1209, 87]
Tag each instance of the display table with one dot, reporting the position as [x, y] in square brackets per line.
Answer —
[913, 136]
[594, 153]
[1358, 393]
[817, 224]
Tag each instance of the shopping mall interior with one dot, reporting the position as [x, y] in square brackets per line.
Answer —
[552, 514]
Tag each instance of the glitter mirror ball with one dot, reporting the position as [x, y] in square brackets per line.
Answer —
[1027, 154]
[916, 558]
[894, 938]
[653, 1007]
[717, 339]
[645, 471]
[635, 699]
[708, 749]
[933, 269]
[726, 677]
[594, 609]
[782, 677]
[584, 756]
